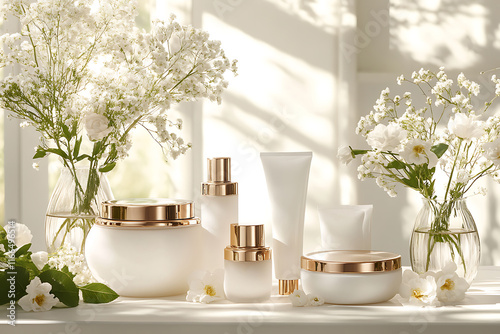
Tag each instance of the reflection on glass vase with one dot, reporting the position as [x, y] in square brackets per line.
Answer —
[74, 206]
[445, 231]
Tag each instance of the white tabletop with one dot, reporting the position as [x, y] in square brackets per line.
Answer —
[479, 313]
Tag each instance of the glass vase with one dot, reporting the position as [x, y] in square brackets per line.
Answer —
[73, 207]
[445, 231]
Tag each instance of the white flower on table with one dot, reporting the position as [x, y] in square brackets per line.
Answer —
[417, 290]
[298, 298]
[40, 259]
[418, 152]
[465, 127]
[97, 126]
[206, 287]
[345, 155]
[22, 234]
[450, 287]
[315, 300]
[39, 297]
[386, 137]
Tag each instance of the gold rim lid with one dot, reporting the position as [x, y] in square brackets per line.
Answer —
[350, 261]
[247, 254]
[147, 209]
[147, 223]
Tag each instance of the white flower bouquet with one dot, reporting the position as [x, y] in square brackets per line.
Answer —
[407, 144]
[86, 75]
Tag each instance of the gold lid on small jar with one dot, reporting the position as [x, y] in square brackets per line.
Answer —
[147, 209]
[350, 261]
[247, 244]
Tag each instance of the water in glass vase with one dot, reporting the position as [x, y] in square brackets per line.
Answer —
[67, 229]
[432, 250]
[74, 206]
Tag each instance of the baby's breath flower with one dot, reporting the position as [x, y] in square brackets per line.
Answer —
[409, 141]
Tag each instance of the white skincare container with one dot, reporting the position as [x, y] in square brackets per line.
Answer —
[219, 209]
[351, 277]
[247, 265]
[287, 175]
[346, 227]
[145, 247]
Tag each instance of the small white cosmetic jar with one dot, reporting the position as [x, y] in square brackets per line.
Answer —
[351, 277]
[145, 247]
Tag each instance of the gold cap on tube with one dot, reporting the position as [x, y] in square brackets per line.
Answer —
[287, 286]
[219, 178]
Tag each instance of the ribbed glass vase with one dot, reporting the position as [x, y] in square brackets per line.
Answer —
[73, 207]
[445, 231]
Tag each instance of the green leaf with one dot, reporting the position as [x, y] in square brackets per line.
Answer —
[65, 270]
[83, 156]
[439, 149]
[66, 132]
[76, 149]
[97, 148]
[59, 152]
[412, 183]
[22, 281]
[98, 293]
[396, 164]
[107, 168]
[23, 250]
[358, 152]
[40, 153]
[4, 288]
[63, 286]
[26, 262]
[21, 278]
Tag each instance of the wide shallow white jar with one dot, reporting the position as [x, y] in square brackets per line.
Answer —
[145, 247]
[351, 277]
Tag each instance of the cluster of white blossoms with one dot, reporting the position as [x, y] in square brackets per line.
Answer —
[86, 68]
[433, 288]
[66, 256]
[407, 143]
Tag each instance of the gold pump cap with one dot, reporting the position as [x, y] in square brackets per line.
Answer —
[247, 244]
[219, 178]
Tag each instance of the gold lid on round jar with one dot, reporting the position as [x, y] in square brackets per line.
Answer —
[147, 212]
[350, 261]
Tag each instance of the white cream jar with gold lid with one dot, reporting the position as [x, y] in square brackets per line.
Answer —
[351, 276]
[145, 247]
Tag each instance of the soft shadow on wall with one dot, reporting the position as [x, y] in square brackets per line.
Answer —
[282, 100]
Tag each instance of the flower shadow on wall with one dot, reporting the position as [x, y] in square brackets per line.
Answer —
[282, 100]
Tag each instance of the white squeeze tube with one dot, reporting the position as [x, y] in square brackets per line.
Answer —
[287, 175]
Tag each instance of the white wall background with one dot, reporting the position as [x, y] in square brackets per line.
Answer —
[308, 70]
[301, 64]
